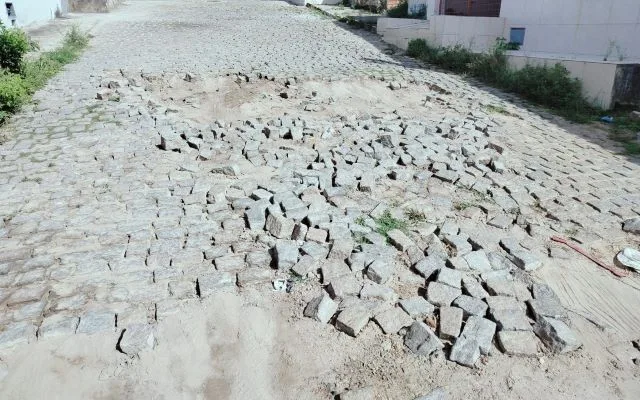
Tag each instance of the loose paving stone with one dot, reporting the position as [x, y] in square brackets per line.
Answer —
[442, 295]
[182, 289]
[459, 244]
[482, 330]
[286, 254]
[631, 225]
[421, 340]
[525, 260]
[58, 325]
[417, 307]
[352, 319]
[518, 343]
[96, 322]
[511, 319]
[399, 239]
[316, 235]
[321, 308]
[334, 269]
[478, 261]
[556, 335]
[214, 282]
[471, 305]
[504, 303]
[429, 265]
[230, 263]
[345, 286]
[380, 271]
[136, 338]
[279, 226]
[253, 276]
[374, 291]
[473, 287]
[392, 320]
[450, 323]
[450, 277]
[500, 286]
[17, 333]
[465, 351]
[304, 265]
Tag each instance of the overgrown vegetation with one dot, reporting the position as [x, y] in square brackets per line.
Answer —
[402, 11]
[548, 86]
[625, 129]
[388, 222]
[20, 78]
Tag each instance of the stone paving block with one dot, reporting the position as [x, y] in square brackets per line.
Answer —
[525, 260]
[421, 340]
[374, 291]
[304, 265]
[316, 250]
[499, 286]
[137, 338]
[279, 226]
[97, 322]
[478, 261]
[230, 263]
[473, 287]
[482, 330]
[450, 323]
[214, 282]
[450, 277]
[459, 244]
[417, 307]
[511, 319]
[504, 303]
[17, 333]
[556, 335]
[58, 325]
[321, 308]
[352, 319]
[316, 235]
[631, 225]
[429, 265]
[471, 305]
[398, 239]
[380, 271]
[254, 276]
[182, 289]
[345, 286]
[518, 343]
[392, 320]
[340, 249]
[333, 269]
[465, 351]
[286, 254]
[442, 295]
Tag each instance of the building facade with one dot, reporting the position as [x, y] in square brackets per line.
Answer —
[27, 12]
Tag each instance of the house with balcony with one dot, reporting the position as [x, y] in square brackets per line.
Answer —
[596, 40]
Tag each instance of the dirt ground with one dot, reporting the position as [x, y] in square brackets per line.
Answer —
[255, 344]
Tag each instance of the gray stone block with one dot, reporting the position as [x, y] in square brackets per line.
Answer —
[441, 294]
[321, 308]
[482, 330]
[334, 269]
[136, 338]
[471, 305]
[392, 320]
[450, 277]
[286, 254]
[352, 319]
[473, 287]
[96, 322]
[18, 333]
[417, 307]
[421, 340]
[429, 265]
[465, 351]
[230, 263]
[279, 226]
[305, 265]
[58, 325]
[478, 261]
[214, 282]
[380, 271]
[450, 323]
[374, 291]
[511, 319]
[344, 286]
[518, 343]
[556, 335]
[254, 276]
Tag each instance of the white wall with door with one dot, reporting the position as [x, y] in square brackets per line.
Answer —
[26, 12]
[575, 29]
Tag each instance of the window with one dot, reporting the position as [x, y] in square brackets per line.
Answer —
[517, 36]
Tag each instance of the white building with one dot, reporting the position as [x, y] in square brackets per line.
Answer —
[598, 41]
[26, 12]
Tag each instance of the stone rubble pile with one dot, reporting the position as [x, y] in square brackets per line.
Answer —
[314, 206]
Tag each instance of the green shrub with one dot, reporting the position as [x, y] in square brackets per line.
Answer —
[13, 93]
[14, 44]
[548, 86]
[401, 10]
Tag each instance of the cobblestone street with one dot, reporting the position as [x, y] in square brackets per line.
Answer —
[200, 150]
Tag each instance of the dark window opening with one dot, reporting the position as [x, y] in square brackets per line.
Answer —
[517, 36]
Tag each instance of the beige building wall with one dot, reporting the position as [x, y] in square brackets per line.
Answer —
[577, 29]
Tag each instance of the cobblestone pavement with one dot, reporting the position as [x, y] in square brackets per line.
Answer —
[101, 228]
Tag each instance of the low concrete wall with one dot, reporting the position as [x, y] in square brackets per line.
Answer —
[400, 31]
[92, 5]
[602, 83]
